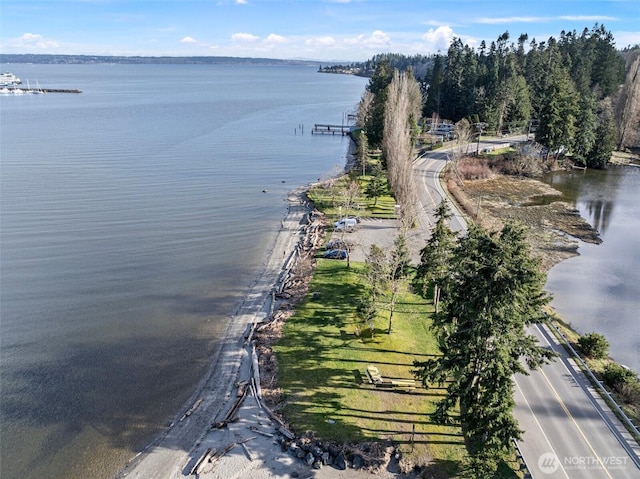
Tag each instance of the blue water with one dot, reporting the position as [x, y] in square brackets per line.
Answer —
[599, 290]
[132, 219]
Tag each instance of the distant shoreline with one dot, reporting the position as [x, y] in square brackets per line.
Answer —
[8, 58]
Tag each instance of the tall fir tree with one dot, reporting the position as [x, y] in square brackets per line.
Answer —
[435, 256]
[585, 137]
[558, 112]
[378, 84]
[496, 290]
[434, 98]
[605, 138]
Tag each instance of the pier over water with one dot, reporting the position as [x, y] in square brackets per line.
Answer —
[322, 129]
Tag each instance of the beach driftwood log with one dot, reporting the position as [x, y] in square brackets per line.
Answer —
[289, 283]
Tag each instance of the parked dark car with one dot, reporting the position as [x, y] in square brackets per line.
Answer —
[337, 243]
[335, 254]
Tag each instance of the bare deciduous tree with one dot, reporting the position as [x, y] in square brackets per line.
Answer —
[364, 108]
[628, 107]
[402, 110]
[463, 130]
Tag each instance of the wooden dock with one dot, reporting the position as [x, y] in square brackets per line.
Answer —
[323, 129]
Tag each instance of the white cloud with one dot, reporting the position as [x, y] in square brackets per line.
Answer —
[433, 23]
[31, 41]
[241, 2]
[503, 20]
[275, 39]
[30, 37]
[320, 41]
[572, 18]
[244, 37]
[377, 40]
[438, 38]
[588, 18]
[188, 40]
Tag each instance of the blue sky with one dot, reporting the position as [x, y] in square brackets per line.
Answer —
[347, 30]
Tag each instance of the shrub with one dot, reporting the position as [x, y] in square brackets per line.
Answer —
[473, 168]
[617, 376]
[594, 345]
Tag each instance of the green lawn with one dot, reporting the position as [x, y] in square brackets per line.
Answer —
[322, 364]
[327, 198]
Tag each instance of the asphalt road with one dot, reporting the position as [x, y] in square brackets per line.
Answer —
[569, 430]
[426, 171]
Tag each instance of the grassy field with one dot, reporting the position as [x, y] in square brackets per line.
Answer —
[322, 371]
[328, 199]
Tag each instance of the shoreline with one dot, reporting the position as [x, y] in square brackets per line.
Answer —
[213, 395]
[227, 431]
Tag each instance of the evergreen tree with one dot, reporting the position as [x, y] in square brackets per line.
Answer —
[558, 112]
[585, 136]
[496, 290]
[519, 112]
[378, 84]
[453, 81]
[434, 94]
[535, 74]
[435, 257]
[607, 71]
[376, 187]
[605, 139]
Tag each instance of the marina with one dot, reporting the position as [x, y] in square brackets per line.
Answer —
[9, 86]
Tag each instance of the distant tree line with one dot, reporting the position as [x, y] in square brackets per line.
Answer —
[578, 94]
[564, 88]
[6, 58]
[420, 65]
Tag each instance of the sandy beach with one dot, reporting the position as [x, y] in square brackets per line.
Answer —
[247, 444]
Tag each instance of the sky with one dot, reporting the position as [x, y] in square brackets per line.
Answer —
[324, 30]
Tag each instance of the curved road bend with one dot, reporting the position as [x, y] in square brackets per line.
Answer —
[569, 431]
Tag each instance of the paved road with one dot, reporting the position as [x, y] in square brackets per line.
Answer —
[427, 169]
[427, 176]
[569, 431]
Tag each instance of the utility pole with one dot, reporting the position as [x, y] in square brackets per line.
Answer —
[480, 126]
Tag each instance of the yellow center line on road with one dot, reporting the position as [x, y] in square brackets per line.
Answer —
[566, 410]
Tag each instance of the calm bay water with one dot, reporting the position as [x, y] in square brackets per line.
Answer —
[132, 220]
[600, 289]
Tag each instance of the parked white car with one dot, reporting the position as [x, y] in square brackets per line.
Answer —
[346, 224]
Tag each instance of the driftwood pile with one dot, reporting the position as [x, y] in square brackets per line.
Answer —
[297, 270]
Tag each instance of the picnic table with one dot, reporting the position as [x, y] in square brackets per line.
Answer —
[374, 377]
